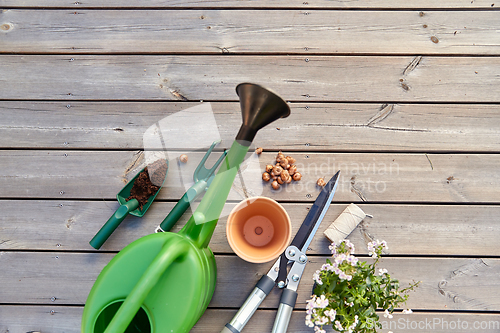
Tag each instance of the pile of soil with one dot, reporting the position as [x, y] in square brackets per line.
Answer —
[148, 182]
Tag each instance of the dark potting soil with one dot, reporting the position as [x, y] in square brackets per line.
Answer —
[148, 182]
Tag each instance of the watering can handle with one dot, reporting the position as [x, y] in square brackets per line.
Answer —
[113, 222]
[182, 205]
[171, 250]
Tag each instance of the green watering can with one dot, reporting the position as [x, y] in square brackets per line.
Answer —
[163, 282]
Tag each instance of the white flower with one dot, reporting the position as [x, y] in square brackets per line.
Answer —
[310, 305]
[382, 271]
[309, 322]
[340, 258]
[333, 248]
[320, 321]
[353, 325]
[317, 278]
[331, 314]
[387, 314]
[319, 330]
[352, 260]
[349, 304]
[327, 268]
[349, 245]
[376, 244]
[321, 302]
[338, 326]
[343, 276]
[407, 311]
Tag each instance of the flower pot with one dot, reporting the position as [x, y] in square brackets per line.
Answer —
[258, 229]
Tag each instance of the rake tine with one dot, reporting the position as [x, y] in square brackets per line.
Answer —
[201, 171]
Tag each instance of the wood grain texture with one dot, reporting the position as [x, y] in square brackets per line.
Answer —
[59, 319]
[447, 284]
[310, 126]
[346, 4]
[295, 78]
[402, 97]
[364, 177]
[250, 31]
[436, 230]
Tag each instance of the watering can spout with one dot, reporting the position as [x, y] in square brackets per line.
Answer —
[259, 107]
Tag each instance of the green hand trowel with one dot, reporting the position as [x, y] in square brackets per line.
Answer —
[158, 175]
[163, 282]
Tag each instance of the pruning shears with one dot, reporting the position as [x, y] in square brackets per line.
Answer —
[294, 255]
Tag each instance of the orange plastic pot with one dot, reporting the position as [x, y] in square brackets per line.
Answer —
[258, 229]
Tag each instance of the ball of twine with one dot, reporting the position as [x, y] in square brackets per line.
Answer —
[347, 221]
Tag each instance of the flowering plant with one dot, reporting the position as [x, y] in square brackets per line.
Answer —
[348, 292]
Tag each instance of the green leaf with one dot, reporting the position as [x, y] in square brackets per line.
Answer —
[332, 286]
[368, 312]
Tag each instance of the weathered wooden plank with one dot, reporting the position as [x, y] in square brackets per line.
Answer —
[447, 284]
[311, 126]
[437, 230]
[364, 177]
[250, 31]
[58, 319]
[296, 78]
[68, 319]
[345, 4]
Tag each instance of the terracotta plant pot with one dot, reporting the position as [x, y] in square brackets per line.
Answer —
[258, 229]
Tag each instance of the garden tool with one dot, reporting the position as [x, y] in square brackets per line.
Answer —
[163, 282]
[202, 179]
[127, 207]
[295, 254]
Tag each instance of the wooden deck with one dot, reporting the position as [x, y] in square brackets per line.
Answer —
[402, 96]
